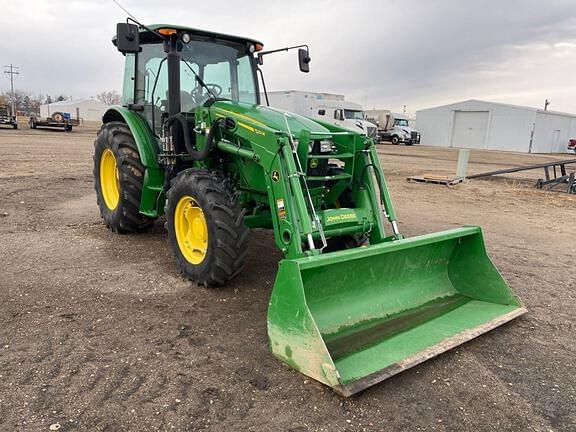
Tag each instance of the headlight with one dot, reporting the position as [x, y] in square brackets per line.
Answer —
[406, 133]
[325, 146]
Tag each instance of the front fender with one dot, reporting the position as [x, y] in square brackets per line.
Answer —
[145, 140]
[152, 199]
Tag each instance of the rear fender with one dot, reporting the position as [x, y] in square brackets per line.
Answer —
[152, 200]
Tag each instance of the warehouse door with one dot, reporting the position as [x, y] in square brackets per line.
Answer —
[557, 146]
[469, 130]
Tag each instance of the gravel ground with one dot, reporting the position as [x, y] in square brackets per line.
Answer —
[100, 332]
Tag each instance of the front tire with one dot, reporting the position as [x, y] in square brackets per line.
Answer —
[118, 178]
[395, 140]
[206, 227]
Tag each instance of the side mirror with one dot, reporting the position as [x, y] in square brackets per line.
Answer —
[304, 60]
[127, 38]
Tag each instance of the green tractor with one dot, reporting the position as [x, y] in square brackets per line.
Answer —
[354, 302]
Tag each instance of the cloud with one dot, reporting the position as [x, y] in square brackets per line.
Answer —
[379, 53]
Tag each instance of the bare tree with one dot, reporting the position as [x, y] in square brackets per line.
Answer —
[109, 97]
[35, 102]
[26, 103]
[17, 100]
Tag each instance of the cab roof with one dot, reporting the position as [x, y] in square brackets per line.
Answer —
[202, 33]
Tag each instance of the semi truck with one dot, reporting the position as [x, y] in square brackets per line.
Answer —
[393, 127]
[327, 107]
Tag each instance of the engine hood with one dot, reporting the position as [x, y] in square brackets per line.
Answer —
[273, 118]
[408, 129]
[362, 124]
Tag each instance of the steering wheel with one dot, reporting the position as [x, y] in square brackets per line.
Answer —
[200, 98]
[215, 88]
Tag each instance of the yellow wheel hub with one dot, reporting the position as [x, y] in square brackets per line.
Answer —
[109, 179]
[191, 230]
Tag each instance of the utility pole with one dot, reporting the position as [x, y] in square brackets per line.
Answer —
[546, 103]
[10, 71]
[404, 110]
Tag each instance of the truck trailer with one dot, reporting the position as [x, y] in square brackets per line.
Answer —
[327, 107]
[393, 127]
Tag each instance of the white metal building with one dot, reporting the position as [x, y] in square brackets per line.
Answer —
[85, 109]
[495, 126]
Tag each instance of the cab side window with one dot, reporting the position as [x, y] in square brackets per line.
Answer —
[152, 83]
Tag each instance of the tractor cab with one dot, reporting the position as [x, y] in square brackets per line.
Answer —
[182, 68]
[173, 69]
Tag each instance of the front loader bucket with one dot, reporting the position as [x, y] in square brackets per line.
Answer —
[353, 318]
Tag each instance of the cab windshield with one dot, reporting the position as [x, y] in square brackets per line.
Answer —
[226, 70]
[354, 115]
[400, 122]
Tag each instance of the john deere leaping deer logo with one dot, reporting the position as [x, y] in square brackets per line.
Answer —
[275, 176]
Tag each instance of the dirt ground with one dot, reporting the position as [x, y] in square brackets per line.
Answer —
[99, 332]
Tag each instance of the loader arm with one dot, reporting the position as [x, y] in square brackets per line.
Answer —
[297, 215]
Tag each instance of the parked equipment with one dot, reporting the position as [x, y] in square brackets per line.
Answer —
[555, 174]
[56, 120]
[7, 117]
[353, 302]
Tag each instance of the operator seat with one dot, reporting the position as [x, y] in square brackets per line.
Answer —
[187, 102]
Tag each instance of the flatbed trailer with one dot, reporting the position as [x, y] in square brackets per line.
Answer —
[56, 120]
[6, 117]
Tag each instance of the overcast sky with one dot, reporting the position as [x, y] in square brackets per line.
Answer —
[382, 54]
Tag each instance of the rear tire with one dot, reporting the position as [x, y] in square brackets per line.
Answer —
[119, 201]
[206, 227]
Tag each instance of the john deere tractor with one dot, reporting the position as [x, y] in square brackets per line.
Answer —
[354, 302]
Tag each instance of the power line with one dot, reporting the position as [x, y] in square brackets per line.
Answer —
[9, 70]
[125, 10]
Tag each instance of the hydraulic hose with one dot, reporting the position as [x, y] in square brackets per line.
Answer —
[196, 155]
